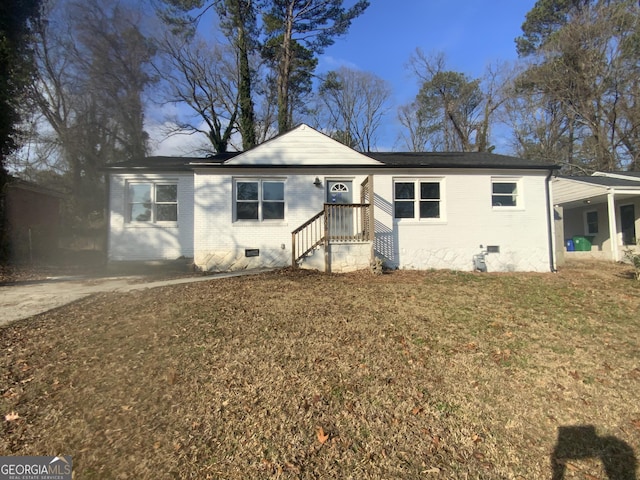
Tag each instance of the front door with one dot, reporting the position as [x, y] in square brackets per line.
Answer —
[628, 224]
[340, 218]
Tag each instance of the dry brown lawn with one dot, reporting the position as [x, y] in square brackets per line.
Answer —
[302, 375]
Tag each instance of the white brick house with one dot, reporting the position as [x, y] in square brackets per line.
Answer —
[239, 210]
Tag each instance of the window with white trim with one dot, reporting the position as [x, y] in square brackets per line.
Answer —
[259, 199]
[505, 192]
[417, 198]
[591, 222]
[152, 202]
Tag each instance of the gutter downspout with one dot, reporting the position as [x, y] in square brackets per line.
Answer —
[550, 226]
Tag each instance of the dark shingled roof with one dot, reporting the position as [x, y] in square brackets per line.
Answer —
[628, 174]
[605, 181]
[455, 160]
[171, 163]
[388, 159]
[15, 182]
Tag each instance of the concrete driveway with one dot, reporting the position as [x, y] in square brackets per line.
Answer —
[26, 299]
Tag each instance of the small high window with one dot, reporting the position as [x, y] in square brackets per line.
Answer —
[505, 193]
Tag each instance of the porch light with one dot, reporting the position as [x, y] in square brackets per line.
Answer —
[317, 182]
[587, 202]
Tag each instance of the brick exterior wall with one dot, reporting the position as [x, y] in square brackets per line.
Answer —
[143, 241]
[33, 220]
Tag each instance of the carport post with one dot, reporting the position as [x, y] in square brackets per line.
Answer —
[613, 233]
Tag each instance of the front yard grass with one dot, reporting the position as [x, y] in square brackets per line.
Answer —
[302, 375]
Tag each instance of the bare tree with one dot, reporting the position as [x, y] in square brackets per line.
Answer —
[539, 127]
[354, 104]
[418, 133]
[583, 59]
[453, 112]
[495, 95]
[92, 65]
[205, 78]
[238, 22]
[115, 57]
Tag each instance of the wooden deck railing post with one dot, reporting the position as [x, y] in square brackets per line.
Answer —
[294, 263]
[327, 263]
[372, 220]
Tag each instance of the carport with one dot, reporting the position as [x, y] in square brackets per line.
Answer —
[603, 207]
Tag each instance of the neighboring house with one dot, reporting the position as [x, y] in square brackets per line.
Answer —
[596, 209]
[33, 220]
[304, 198]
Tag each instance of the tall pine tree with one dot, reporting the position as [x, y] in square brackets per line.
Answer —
[313, 25]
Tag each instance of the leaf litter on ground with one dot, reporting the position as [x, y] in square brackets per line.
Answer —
[296, 374]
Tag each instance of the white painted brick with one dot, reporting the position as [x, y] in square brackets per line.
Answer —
[128, 241]
[471, 221]
[220, 242]
[208, 233]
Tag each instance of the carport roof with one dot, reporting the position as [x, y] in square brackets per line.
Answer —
[605, 181]
[577, 191]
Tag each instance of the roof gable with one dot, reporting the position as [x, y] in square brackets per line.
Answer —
[302, 146]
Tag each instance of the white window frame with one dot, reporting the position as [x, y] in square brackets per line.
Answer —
[153, 184]
[519, 197]
[260, 200]
[441, 218]
[586, 222]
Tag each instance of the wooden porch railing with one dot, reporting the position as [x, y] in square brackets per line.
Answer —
[349, 222]
[307, 237]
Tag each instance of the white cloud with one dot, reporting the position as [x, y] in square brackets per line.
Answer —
[328, 62]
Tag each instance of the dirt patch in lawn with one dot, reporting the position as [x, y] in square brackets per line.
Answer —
[304, 375]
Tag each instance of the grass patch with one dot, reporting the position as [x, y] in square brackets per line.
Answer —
[303, 375]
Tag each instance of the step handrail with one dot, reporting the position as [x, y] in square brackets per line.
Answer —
[307, 237]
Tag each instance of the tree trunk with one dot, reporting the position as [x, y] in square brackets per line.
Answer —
[4, 230]
[284, 115]
[247, 117]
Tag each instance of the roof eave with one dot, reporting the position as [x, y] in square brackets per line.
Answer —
[382, 166]
[385, 166]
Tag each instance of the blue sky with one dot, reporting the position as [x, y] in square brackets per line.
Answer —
[471, 33]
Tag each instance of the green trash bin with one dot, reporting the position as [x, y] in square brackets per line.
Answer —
[582, 243]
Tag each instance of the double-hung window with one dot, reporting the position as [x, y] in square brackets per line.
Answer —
[152, 202]
[591, 222]
[417, 198]
[259, 199]
[505, 192]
